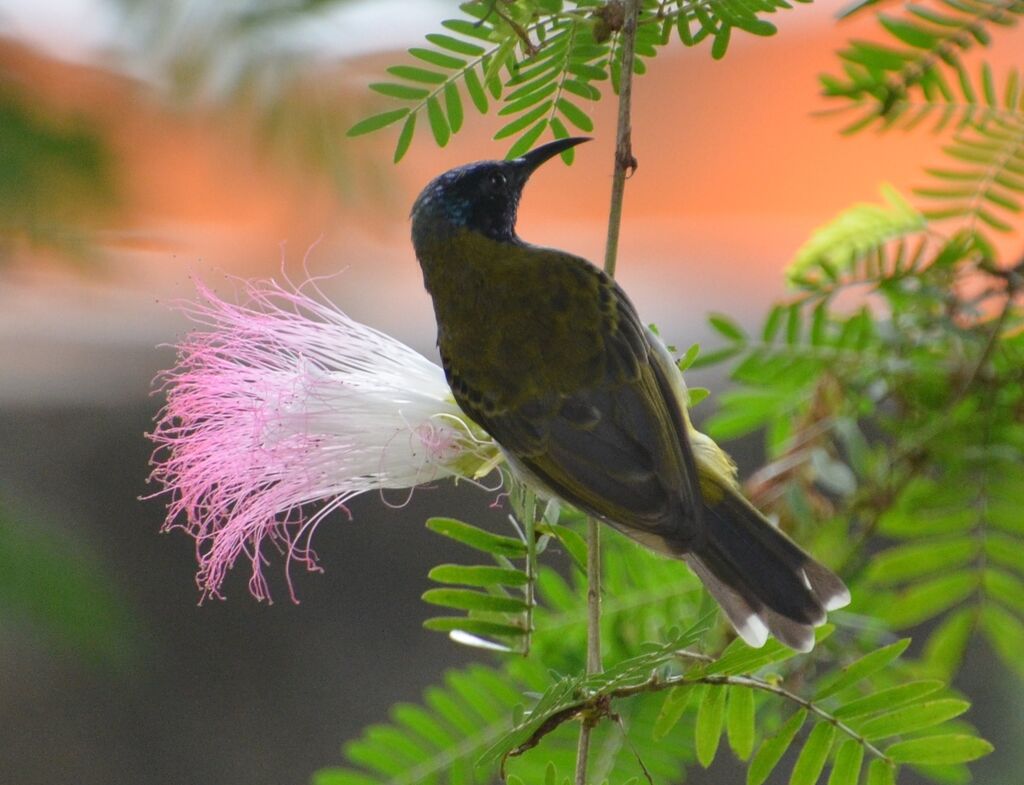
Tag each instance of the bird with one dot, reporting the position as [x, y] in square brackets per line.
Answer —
[546, 353]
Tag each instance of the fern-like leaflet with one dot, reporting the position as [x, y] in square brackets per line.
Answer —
[540, 58]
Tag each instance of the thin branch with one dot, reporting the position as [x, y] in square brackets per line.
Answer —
[624, 163]
[600, 703]
[593, 641]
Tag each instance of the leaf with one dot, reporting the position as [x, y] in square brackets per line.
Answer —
[453, 106]
[811, 763]
[438, 124]
[477, 538]
[456, 45]
[925, 600]
[672, 709]
[526, 141]
[571, 541]
[860, 669]
[772, 749]
[945, 648]
[477, 575]
[475, 626]
[881, 773]
[772, 323]
[738, 657]
[912, 718]
[1006, 634]
[470, 600]
[1005, 587]
[721, 42]
[377, 121]
[939, 750]
[727, 327]
[746, 410]
[1004, 550]
[403, 91]
[710, 718]
[342, 777]
[846, 768]
[908, 32]
[523, 121]
[476, 91]
[719, 355]
[740, 721]
[416, 74]
[890, 698]
[575, 115]
[440, 59]
[920, 558]
[688, 357]
[405, 138]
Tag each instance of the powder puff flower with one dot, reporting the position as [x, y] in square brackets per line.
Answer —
[283, 402]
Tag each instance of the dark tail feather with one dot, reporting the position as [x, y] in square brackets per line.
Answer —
[764, 582]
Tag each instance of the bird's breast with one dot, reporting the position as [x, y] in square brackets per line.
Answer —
[515, 320]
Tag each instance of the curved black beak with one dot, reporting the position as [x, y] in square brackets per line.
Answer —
[538, 155]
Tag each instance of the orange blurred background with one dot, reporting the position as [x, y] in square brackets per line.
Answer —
[735, 171]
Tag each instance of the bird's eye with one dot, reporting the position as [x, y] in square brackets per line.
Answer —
[498, 179]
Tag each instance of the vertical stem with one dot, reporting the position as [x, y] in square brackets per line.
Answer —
[593, 638]
[624, 162]
[530, 523]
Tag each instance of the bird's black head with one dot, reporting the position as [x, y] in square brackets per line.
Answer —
[482, 196]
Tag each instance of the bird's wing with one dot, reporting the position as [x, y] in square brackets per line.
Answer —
[611, 440]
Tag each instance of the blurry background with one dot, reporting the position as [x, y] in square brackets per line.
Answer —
[146, 141]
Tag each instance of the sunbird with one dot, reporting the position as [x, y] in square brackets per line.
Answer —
[547, 354]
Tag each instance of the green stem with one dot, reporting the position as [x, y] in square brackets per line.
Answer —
[530, 524]
[624, 163]
[624, 160]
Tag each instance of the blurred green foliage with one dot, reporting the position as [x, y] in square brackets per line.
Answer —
[58, 588]
[57, 176]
